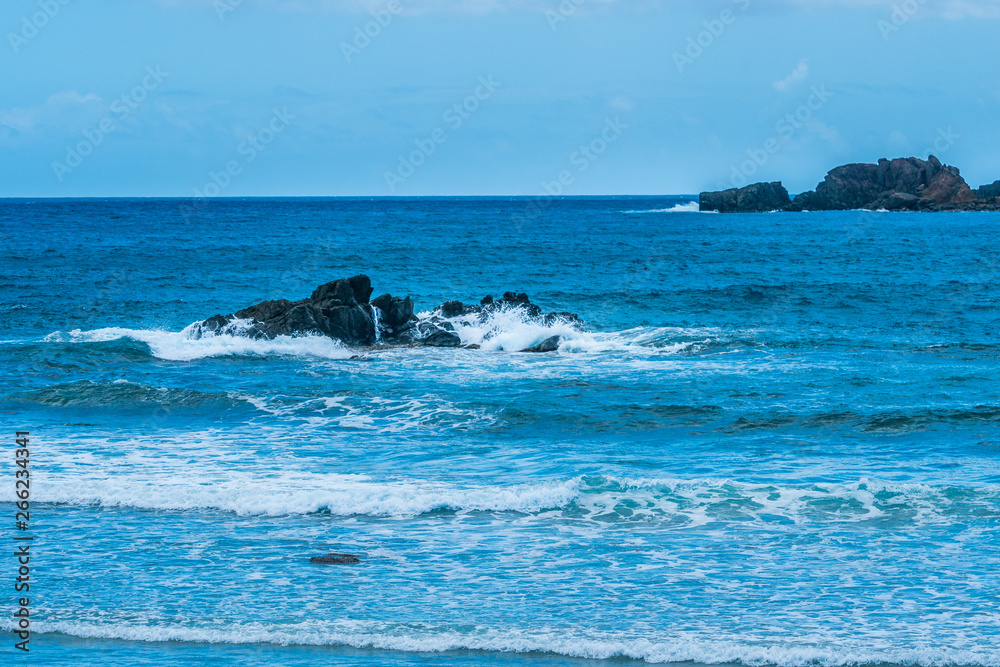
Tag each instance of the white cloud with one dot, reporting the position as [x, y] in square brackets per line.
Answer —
[50, 114]
[800, 72]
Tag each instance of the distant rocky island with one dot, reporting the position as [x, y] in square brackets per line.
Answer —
[903, 184]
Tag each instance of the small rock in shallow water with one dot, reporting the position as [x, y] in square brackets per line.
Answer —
[442, 338]
[550, 344]
[335, 559]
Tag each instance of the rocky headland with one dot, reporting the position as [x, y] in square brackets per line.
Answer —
[903, 184]
[344, 310]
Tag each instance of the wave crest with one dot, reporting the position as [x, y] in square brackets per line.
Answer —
[690, 207]
[185, 346]
[606, 500]
[655, 648]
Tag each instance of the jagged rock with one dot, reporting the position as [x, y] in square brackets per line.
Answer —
[442, 338]
[756, 198]
[452, 309]
[899, 184]
[902, 200]
[335, 559]
[513, 297]
[991, 191]
[846, 187]
[903, 183]
[396, 314]
[550, 344]
[947, 187]
[338, 309]
[341, 310]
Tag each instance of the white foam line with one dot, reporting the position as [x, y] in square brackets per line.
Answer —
[698, 501]
[341, 495]
[690, 207]
[182, 346]
[681, 647]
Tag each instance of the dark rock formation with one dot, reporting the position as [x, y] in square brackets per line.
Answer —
[901, 200]
[509, 301]
[846, 187]
[550, 344]
[341, 310]
[903, 183]
[395, 316]
[335, 559]
[441, 337]
[900, 184]
[988, 192]
[756, 198]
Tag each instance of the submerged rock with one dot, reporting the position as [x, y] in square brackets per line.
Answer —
[335, 559]
[442, 338]
[550, 344]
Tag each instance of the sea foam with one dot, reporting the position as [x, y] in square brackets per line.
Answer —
[605, 499]
[183, 346]
[690, 207]
[654, 648]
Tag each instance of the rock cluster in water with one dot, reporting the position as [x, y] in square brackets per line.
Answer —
[909, 184]
[756, 198]
[335, 559]
[344, 310]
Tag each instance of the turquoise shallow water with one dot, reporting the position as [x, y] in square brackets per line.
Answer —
[774, 441]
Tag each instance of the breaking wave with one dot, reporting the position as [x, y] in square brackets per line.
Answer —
[597, 498]
[655, 648]
[690, 207]
[183, 346]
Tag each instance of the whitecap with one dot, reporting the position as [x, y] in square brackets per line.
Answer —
[185, 346]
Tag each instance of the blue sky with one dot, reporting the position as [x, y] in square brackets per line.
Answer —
[458, 97]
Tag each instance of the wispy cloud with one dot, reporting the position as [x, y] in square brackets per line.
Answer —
[800, 72]
[56, 111]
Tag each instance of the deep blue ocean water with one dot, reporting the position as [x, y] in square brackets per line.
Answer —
[775, 441]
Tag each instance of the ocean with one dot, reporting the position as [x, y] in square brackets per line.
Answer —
[774, 440]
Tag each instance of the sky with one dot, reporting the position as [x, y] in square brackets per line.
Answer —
[240, 98]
